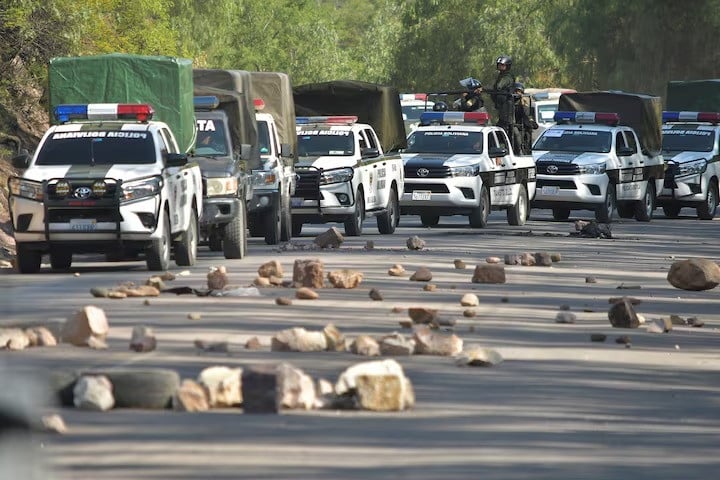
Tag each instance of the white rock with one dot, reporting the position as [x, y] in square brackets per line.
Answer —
[297, 389]
[93, 392]
[223, 386]
[90, 321]
[469, 300]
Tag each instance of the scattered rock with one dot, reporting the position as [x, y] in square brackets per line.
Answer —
[396, 344]
[166, 277]
[334, 339]
[622, 315]
[422, 315]
[623, 340]
[96, 343]
[564, 307]
[142, 339]
[99, 292]
[489, 274]
[54, 423]
[253, 344]
[695, 322]
[429, 287]
[283, 301]
[694, 274]
[194, 316]
[365, 345]
[555, 257]
[678, 320]
[157, 282]
[527, 259]
[543, 259]
[139, 291]
[428, 342]
[212, 347]
[298, 340]
[296, 388]
[493, 260]
[469, 300]
[217, 278]
[406, 323]
[479, 357]
[623, 286]
[260, 390]
[469, 313]
[445, 322]
[396, 270]
[375, 294]
[397, 310]
[345, 278]
[422, 274]
[331, 238]
[415, 243]
[592, 229]
[512, 259]
[40, 337]
[93, 392]
[590, 279]
[378, 385]
[190, 397]
[459, 264]
[116, 294]
[13, 339]
[261, 282]
[659, 325]
[309, 273]
[275, 281]
[88, 322]
[504, 300]
[598, 337]
[222, 386]
[305, 293]
[565, 317]
[369, 245]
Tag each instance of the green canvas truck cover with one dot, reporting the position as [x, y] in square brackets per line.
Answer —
[694, 96]
[643, 113]
[234, 90]
[165, 83]
[275, 90]
[376, 105]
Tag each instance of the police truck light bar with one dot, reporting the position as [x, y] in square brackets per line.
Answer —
[413, 96]
[587, 117]
[206, 102]
[710, 117]
[335, 120]
[259, 104]
[104, 111]
[447, 118]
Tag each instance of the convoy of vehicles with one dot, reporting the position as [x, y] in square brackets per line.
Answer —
[111, 177]
[604, 153]
[457, 164]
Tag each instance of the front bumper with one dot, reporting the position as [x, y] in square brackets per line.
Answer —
[219, 210]
[570, 190]
[263, 200]
[332, 200]
[452, 195]
[687, 189]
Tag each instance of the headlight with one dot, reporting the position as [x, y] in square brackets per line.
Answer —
[692, 168]
[467, 171]
[26, 188]
[221, 186]
[336, 176]
[594, 169]
[263, 178]
[146, 187]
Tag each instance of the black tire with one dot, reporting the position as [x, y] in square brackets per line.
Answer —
[157, 255]
[186, 246]
[286, 228]
[273, 223]
[60, 259]
[561, 213]
[142, 388]
[644, 208]
[706, 210]
[235, 238]
[671, 211]
[604, 211]
[625, 210]
[28, 261]
[518, 213]
[256, 225]
[478, 218]
[354, 224]
[387, 221]
[215, 241]
[429, 220]
[297, 226]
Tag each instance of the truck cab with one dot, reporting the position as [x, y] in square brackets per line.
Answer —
[106, 179]
[457, 164]
[691, 148]
[344, 176]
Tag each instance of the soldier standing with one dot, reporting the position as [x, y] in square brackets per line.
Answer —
[502, 93]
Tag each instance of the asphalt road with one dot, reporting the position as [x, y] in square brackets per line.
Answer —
[559, 406]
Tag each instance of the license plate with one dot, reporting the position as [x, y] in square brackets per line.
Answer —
[550, 190]
[83, 224]
[421, 195]
[296, 202]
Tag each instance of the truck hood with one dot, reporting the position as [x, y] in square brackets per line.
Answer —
[587, 158]
[212, 167]
[440, 160]
[327, 162]
[120, 172]
[682, 157]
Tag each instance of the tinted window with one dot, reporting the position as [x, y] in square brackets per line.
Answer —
[574, 141]
[97, 148]
[687, 140]
[443, 141]
[326, 142]
[264, 138]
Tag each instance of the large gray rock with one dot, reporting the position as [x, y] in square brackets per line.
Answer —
[622, 314]
[93, 392]
[694, 274]
[415, 243]
[396, 344]
[331, 238]
[142, 339]
[429, 342]
[489, 273]
[298, 340]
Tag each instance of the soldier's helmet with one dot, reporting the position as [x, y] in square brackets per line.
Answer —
[519, 87]
[440, 107]
[504, 60]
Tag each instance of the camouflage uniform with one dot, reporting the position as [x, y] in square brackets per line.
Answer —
[503, 100]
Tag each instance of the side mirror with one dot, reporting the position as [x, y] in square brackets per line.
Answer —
[495, 152]
[625, 152]
[369, 152]
[286, 150]
[245, 151]
[176, 159]
[21, 160]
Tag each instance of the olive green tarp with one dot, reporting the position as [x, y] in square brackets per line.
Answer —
[694, 95]
[376, 105]
[234, 91]
[165, 83]
[275, 90]
[643, 113]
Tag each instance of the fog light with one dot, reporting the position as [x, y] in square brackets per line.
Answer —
[147, 219]
[264, 201]
[62, 188]
[343, 198]
[99, 188]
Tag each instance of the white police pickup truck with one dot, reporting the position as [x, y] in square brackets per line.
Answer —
[587, 161]
[344, 176]
[106, 179]
[456, 164]
[691, 150]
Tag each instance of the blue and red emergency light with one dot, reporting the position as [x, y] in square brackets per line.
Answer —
[335, 120]
[104, 111]
[710, 117]
[427, 118]
[413, 96]
[206, 102]
[607, 118]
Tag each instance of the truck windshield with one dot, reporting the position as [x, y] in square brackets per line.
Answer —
[574, 141]
[444, 141]
[688, 140]
[97, 148]
[546, 112]
[412, 112]
[318, 143]
[263, 138]
[211, 140]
